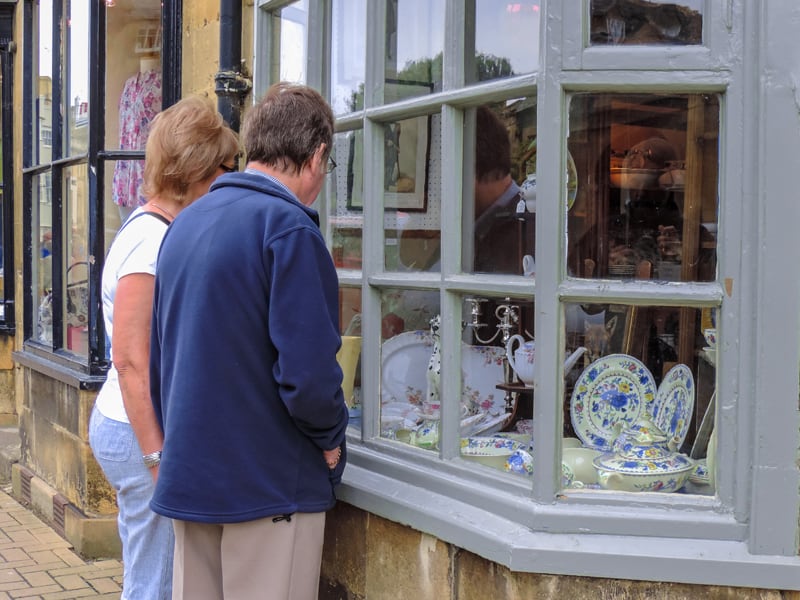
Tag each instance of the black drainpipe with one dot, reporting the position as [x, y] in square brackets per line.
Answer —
[232, 83]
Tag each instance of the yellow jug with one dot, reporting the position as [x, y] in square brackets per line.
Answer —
[348, 360]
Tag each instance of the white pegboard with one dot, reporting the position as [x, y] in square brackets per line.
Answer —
[430, 219]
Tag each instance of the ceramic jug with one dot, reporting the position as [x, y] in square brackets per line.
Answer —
[347, 356]
[522, 360]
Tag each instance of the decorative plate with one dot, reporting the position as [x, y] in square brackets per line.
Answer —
[674, 403]
[482, 369]
[613, 389]
[404, 364]
[404, 367]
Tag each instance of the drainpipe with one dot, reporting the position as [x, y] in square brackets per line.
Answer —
[232, 84]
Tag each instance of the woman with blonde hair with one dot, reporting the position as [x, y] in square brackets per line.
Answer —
[188, 147]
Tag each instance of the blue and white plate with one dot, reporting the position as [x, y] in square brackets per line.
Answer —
[613, 389]
[674, 404]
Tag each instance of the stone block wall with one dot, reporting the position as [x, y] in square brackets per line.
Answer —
[54, 434]
[370, 558]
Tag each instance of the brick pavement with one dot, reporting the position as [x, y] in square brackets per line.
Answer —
[36, 562]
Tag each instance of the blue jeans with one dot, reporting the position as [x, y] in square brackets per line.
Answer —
[148, 539]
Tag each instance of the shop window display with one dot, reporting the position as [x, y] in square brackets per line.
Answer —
[134, 93]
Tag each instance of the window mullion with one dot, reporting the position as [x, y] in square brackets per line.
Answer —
[547, 417]
[372, 227]
[450, 304]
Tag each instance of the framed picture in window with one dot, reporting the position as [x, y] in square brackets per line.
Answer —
[405, 156]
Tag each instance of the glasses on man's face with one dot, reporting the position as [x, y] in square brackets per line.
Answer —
[331, 165]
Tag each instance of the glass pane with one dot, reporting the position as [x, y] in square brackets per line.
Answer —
[650, 22]
[497, 392]
[291, 30]
[3, 199]
[42, 234]
[414, 43]
[646, 199]
[114, 215]
[411, 194]
[43, 87]
[350, 353]
[500, 215]
[347, 187]
[76, 296]
[348, 50]
[640, 393]
[76, 80]
[406, 412]
[506, 39]
[133, 92]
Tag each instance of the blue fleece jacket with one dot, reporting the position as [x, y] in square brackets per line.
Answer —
[243, 366]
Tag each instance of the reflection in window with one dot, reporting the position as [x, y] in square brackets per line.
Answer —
[76, 297]
[76, 91]
[646, 202]
[291, 26]
[348, 48]
[414, 43]
[647, 367]
[42, 252]
[43, 86]
[647, 22]
[502, 151]
[506, 39]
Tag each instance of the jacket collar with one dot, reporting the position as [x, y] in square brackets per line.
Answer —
[263, 183]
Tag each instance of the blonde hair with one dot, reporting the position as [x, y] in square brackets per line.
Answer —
[187, 143]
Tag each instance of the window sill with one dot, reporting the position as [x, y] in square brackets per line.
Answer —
[70, 376]
[629, 554]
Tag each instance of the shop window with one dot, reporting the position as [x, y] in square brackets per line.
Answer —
[500, 206]
[506, 40]
[648, 199]
[645, 22]
[81, 181]
[348, 39]
[413, 53]
[7, 317]
[564, 377]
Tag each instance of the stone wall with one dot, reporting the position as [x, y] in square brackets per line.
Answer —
[368, 557]
[54, 434]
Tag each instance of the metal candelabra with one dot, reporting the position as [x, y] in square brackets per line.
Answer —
[508, 319]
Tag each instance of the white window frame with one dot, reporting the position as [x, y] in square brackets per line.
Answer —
[748, 533]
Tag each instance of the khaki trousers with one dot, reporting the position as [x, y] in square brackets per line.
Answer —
[264, 559]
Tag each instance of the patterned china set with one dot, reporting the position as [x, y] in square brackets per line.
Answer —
[629, 430]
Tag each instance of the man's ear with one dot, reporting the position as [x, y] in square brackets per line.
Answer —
[320, 157]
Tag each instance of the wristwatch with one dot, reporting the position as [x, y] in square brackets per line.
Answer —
[152, 460]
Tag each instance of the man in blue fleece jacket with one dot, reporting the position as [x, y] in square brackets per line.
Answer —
[244, 376]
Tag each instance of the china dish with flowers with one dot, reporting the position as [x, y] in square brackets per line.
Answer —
[613, 389]
[499, 453]
[404, 368]
[674, 403]
[644, 459]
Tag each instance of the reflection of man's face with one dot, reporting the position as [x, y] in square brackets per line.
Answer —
[489, 190]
